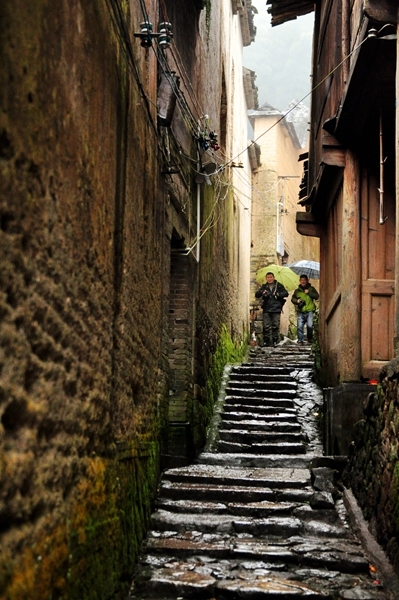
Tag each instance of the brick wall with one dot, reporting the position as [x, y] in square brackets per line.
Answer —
[181, 380]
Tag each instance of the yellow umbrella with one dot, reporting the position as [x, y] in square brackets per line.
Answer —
[284, 275]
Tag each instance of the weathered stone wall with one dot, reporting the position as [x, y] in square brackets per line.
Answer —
[373, 468]
[78, 465]
[87, 219]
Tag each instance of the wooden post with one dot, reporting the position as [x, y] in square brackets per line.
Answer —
[349, 360]
[345, 39]
[396, 340]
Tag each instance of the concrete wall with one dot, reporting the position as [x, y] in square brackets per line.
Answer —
[91, 218]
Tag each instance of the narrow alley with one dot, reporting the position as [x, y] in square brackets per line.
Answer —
[149, 172]
[261, 514]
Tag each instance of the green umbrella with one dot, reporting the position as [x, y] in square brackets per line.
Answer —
[284, 275]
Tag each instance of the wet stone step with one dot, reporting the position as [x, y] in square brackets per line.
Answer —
[272, 407]
[250, 477]
[226, 459]
[296, 364]
[234, 493]
[257, 401]
[277, 525]
[265, 508]
[241, 436]
[262, 509]
[266, 414]
[204, 577]
[257, 516]
[192, 585]
[262, 369]
[261, 393]
[262, 385]
[259, 448]
[259, 425]
[209, 523]
[318, 552]
[259, 377]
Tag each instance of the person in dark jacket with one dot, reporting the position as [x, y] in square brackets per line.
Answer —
[303, 298]
[273, 295]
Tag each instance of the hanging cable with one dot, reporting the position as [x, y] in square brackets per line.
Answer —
[304, 98]
[186, 113]
[123, 36]
[180, 66]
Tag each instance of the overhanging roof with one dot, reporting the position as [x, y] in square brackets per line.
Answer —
[288, 10]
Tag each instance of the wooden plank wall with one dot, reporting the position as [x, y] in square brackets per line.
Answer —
[328, 53]
[378, 268]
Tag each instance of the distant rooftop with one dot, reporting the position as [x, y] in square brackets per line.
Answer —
[296, 120]
[266, 110]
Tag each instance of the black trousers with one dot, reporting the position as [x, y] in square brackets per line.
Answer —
[271, 327]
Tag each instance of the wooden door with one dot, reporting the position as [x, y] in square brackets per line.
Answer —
[378, 263]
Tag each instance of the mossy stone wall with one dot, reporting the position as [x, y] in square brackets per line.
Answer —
[373, 468]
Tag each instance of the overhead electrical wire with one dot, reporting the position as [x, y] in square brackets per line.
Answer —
[186, 113]
[180, 66]
[120, 24]
[300, 101]
[122, 33]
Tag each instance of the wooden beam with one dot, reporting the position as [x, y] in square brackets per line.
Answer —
[307, 225]
[332, 305]
[334, 157]
[349, 359]
[384, 11]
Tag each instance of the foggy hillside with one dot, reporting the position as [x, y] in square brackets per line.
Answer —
[281, 58]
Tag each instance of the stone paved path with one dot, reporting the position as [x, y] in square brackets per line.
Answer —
[259, 514]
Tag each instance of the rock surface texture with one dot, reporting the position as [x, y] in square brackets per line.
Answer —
[260, 514]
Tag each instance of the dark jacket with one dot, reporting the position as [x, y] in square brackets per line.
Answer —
[308, 299]
[273, 296]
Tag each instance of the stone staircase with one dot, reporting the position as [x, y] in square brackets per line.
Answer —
[259, 515]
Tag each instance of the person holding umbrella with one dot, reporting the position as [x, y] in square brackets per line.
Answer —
[303, 298]
[273, 295]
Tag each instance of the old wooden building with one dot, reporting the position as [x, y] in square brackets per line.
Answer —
[350, 177]
[351, 194]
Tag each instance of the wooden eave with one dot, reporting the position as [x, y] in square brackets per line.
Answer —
[287, 10]
[384, 11]
[307, 225]
[372, 73]
[328, 182]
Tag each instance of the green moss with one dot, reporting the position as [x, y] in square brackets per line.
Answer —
[109, 524]
[90, 555]
[208, 10]
[227, 351]
[316, 350]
